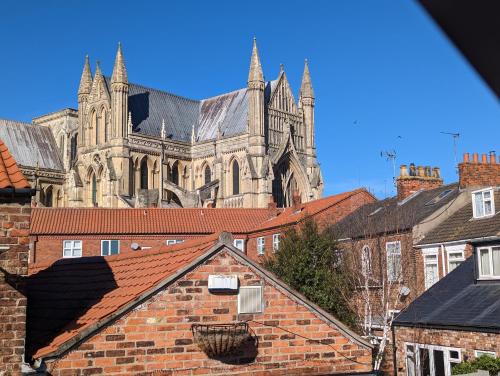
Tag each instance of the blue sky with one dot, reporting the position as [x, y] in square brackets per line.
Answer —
[385, 76]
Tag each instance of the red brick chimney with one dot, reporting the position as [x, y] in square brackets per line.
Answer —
[475, 173]
[418, 178]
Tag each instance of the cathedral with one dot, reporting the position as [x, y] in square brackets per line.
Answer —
[131, 146]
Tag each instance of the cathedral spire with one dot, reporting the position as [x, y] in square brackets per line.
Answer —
[119, 70]
[98, 72]
[306, 89]
[255, 73]
[86, 80]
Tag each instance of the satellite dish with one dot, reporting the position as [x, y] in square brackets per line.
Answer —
[134, 246]
[404, 291]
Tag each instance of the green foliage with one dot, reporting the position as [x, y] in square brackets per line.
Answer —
[484, 362]
[307, 261]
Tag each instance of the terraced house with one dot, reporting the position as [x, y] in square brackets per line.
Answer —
[131, 146]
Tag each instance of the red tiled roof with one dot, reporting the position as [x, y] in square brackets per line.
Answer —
[293, 215]
[52, 221]
[10, 174]
[72, 296]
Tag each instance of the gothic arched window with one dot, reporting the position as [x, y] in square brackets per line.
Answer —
[208, 174]
[48, 197]
[144, 174]
[104, 126]
[236, 177]
[94, 190]
[366, 264]
[175, 173]
[93, 128]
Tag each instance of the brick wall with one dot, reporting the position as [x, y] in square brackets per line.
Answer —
[49, 248]
[479, 173]
[14, 247]
[157, 334]
[465, 340]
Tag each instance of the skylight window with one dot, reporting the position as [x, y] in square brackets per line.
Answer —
[439, 197]
[483, 203]
[409, 197]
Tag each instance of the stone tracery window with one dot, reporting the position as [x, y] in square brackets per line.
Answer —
[235, 173]
[207, 174]
[144, 174]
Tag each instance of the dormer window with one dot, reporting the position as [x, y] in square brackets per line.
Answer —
[483, 204]
[489, 262]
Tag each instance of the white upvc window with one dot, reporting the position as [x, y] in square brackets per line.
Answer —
[489, 262]
[478, 353]
[455, 258]
[261, 242]
[276, 242]
[110, 247]
[174, 241]
[431, 269]
[240, 244]
[393, 250]
[366, 261]
[72, 248]
[250, 299]
[483, 203]
[431, 360]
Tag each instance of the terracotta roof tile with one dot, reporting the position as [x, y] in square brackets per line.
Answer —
[10, 174]
[70, 296]
[51, 221]
[293, 215]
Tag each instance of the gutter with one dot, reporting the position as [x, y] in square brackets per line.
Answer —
[472, 240]
[466, 328]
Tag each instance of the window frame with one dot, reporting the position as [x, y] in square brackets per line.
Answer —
[242, 249]
[366, 261]
[261, 299]
[110, 240]
[492, 200]
[72, 248]
[261, 245]
[459, 259]
[484, 352]
[276, 241]
[399, 253]
[430, 262]
[490, 262]
[447, 358]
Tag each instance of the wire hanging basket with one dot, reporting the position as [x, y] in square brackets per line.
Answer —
[220, 339]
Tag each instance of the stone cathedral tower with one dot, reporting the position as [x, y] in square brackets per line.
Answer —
[132, 146]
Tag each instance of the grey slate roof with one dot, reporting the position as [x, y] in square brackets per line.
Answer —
[227, 112]
[391, 216]
[462, 226]
[456, 301]
[30, 143]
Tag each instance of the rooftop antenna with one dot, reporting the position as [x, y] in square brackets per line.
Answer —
[390, 155]
[455, 140]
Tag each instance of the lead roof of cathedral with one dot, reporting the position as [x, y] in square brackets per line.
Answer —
[225, 114]
[31, 144]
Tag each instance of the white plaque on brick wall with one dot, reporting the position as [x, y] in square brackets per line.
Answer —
[222, 282]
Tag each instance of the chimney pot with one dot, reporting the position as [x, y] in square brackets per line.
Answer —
[421, 171]
[403, 170]
[428, 171]
[484, 159]
[466, 157]
[493, 157]
[436, 172]
[475, 158]
[413, 171]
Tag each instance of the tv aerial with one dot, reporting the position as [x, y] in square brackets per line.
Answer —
[390, 155]
[455, 141]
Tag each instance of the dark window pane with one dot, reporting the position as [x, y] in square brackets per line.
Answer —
[425, 367]
[236, 178]
[105, 248]
[439, 363]
[144, 174]
[114, 247]
[208, 175]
